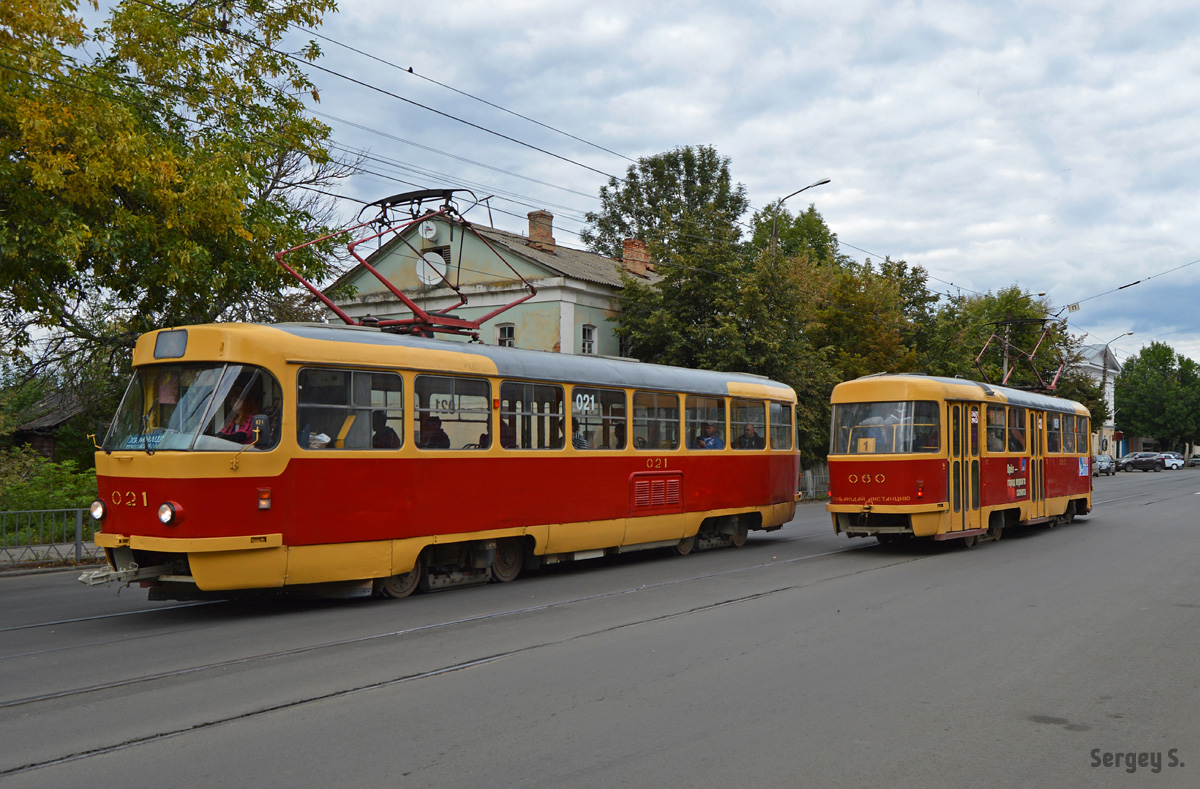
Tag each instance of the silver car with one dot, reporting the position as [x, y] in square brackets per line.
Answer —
[1103, 464]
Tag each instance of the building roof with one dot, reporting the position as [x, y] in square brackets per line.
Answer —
[50, 412]
[575, 263]
[1094, 355]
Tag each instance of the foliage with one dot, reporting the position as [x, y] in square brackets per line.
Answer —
[148, 185]
[672, 200]
[872, 319]
[1156, 395]
[29, 481]
[805, 233]
[714, 308]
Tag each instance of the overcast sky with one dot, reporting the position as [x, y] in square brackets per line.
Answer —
[993, 144]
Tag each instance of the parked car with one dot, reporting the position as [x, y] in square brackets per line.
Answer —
[1147, 461]
[1172, 459]
[1194, 460]
[1103, 464]
[1124, 461]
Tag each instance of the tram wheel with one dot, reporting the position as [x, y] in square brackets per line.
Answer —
[685, 546]
[398, 586]
[970, 540]
[1069, 517]
[510, 558]
[738, 538]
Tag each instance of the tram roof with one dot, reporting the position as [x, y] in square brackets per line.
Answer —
[508, 362]
[965, 389]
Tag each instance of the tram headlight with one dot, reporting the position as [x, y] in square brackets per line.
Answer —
[170, 513]
[97, 510]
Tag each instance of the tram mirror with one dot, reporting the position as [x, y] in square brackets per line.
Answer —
[262, 431]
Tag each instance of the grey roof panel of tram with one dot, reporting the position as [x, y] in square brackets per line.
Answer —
[1019, 397]
[544, 365]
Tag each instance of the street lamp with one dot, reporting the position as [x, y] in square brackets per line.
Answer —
[1104, 377]
[779, 205]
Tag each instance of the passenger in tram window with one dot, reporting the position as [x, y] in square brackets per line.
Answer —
[750, 439]
[432, 435]
[619, 436]
[578, 439]
[240, 425]
[385, 437]
[508, 435]
[708, 438]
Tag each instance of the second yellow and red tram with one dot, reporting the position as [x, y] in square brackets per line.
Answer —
[947, 458]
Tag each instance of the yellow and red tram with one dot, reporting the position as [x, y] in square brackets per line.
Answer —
[269, 457]
[948, 458]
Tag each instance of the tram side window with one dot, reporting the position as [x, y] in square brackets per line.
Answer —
[534, 415]
[597, 418]
[451, 412]
[705, 426]
[349, 409]
[749, 424]
[1083, 436]
[995, 428]
[1053, 432]
[1016, 430]
[655, 420]
[781, 425]
[1068, 433]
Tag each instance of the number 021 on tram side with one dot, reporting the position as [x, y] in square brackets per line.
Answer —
[946, 458]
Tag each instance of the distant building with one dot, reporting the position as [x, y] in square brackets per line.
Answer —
[1099, 362]
[578, 292]
[40, 422]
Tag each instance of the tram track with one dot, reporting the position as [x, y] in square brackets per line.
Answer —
[438, 671]
[283, 653]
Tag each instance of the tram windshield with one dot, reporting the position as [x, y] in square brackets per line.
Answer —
[197, 407]
[882, 428]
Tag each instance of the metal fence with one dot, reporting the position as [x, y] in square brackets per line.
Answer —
[32, 536]
[814, 484]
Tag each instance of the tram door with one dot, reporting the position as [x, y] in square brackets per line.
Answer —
[964, 466]
[1037, 464]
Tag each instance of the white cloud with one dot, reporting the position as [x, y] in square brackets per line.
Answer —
[1057, 148]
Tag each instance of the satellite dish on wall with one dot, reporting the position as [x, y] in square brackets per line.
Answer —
[431, 268]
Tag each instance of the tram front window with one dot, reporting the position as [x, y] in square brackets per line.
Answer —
[197, 407]
[882, 428]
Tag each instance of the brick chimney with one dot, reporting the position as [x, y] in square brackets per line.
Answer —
[541, 230]
[635, 257]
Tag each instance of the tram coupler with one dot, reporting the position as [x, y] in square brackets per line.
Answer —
[125, 576]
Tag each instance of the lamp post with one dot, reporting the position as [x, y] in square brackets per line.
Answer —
[779, 205]
[1104, 376]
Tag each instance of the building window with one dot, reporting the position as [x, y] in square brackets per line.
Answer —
[506, 335]
[625, 349]
[588, 346]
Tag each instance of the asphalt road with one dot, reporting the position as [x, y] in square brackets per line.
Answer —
[801, 659]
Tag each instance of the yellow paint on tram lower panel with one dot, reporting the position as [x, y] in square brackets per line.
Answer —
[262, 562]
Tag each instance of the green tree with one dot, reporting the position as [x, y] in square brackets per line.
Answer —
[29, 481]
[149, 185]
[714, 309]
[1154, 396]
[670, 200]
[805, 233]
